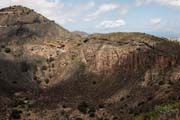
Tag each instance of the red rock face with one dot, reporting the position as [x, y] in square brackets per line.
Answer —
[107, 58]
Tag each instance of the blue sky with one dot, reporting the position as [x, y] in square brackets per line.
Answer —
[159, 17]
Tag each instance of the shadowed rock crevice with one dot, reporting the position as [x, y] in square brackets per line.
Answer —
[16, 76]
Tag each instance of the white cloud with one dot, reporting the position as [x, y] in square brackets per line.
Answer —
[155, 21]
[112, 24]
[53, 9]
[170, 2]
[104, 8]
[70, 12]
[140, 2]
[123, 11]
[175, 3]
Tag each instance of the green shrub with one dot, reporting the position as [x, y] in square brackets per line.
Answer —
[170, 83]
[28, 106]
[141, 103]
[46, 81]
[166, 92]
[128, 96]
[161, 83]
[51, 59]
[3, 46]
[115, 118]
[122, 99]
[7, 50]
[92, 110]
[19, 103]
[94, 82]
[99, 118]
[44, 67]
[15, 114]
[79, 119]
[83, 107]
[53, 65]
[91, 115]
[101, 106]
[161, 109]
[64, 106]
[62, 112]
[35, 77]
[131, 111]
[82, 67]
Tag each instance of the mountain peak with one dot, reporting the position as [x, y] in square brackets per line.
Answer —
[15, 7]
[20, 22]
[14, 15]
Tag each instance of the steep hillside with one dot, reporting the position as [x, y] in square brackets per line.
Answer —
[116, 76]
[19, 23]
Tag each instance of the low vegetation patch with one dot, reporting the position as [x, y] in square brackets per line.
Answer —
[161, 109]
[161, 83]
[79, 119]
[83, 107]
[44, 67]
[3, 46]
[7, 50]
[170, 83]
[19, 103]
[16, 114]
[91, 112]
[46, 81]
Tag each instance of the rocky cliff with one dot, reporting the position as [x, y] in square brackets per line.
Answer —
[96, 77]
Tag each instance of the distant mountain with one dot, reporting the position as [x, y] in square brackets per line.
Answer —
[166, 34]
[60, 75]
[80, 33]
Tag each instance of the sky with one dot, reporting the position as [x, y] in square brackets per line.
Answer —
[158, 17]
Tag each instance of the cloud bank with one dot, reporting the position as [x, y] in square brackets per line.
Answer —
[173, 3]
[112, 24]
[155, 21]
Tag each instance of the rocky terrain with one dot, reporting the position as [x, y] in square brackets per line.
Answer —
[49, 73]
